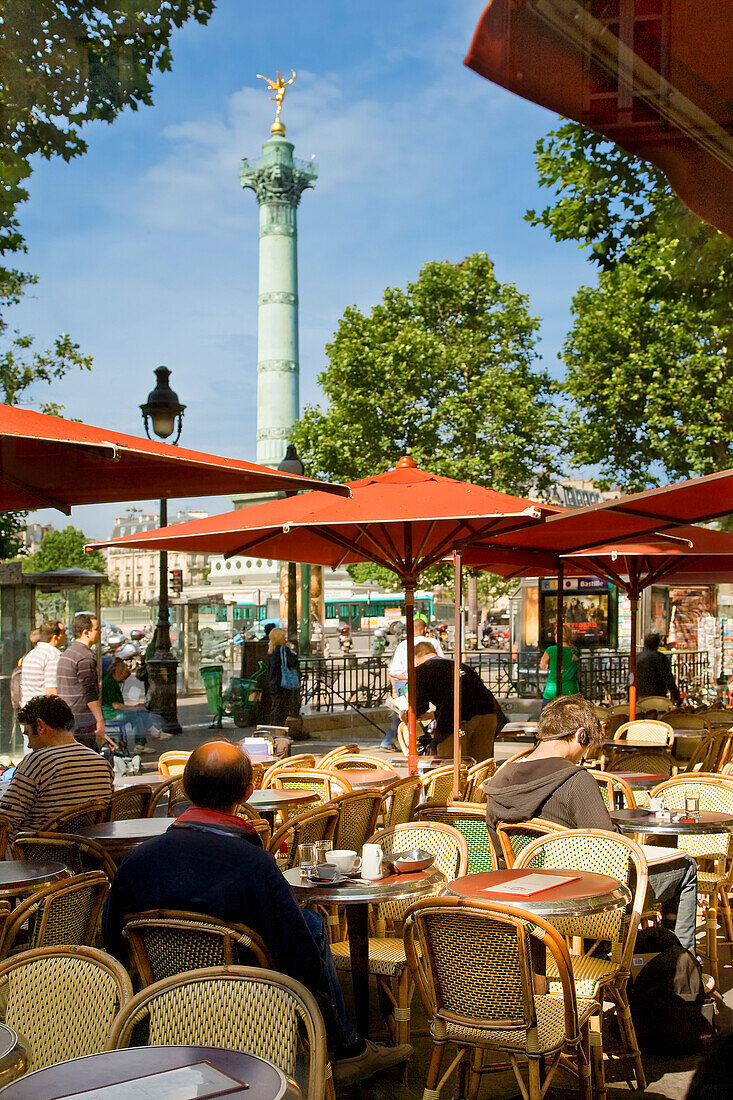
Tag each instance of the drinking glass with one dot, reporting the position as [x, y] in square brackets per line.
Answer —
[307, 859]
[692, 804]
[323, 847]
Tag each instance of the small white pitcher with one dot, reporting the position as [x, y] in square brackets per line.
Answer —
[371, 861]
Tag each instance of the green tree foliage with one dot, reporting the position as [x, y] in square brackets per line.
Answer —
[64, 549]
[64, 63]
[649, 354]
[12, 526]
[442, 370]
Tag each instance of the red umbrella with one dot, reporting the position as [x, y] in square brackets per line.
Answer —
[651, 75]
[47, 462]
[406, 520]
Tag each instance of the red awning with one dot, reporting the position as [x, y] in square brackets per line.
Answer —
[48, 462]
[654, 76]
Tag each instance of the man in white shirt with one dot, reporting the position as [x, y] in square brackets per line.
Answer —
[398, 676]
[40, 664]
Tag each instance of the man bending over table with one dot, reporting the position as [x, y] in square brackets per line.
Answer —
[549, 784]
[212, 862]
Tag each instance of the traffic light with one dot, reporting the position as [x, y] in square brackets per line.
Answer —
[176, 576]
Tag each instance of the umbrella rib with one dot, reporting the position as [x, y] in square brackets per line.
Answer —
[247, 546]
[427, 535]
[453, 542]
[352, 546]
[41, 497]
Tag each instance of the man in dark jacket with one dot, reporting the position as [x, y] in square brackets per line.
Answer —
[481, 716]
[654, 671]
[212, 862]
[78, 686]
[550, 785]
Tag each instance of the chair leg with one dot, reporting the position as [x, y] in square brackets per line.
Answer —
[596, 1057]
[628, 1034]
[583, 1063]
[436, 1063]
[711, 937]
[535, 1079]
[725, 906]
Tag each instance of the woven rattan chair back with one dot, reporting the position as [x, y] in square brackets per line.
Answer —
[357, 761]
[62, 914]
[178, 800]
[160, 794]
[437, 784]
[514, 836]
[681, 720]
[62, 1001]
[470, 820]
[165, 942]
[258, 774]
[655, 763]
[357, 818]
[605, 854]
[326, 784]
[343, 750]
[710, 754]
[610, 785]
[87, 813]
[715, 793]
[4, 835]
[716, 717]
[77, 853]
[475, 779]
[303, 828]
[242, 1008]
[304, 760]
[130, 802]
[172, 762]
[650, 730]
[399, 802]
[521, 755]
[651, 702]
[446, 843]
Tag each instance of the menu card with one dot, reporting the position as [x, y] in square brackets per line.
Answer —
[527, 885]
[201, 1081]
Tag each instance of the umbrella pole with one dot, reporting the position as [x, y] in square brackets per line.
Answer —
[558, 633]
[634, 604]
[457, 653]
[411, 685]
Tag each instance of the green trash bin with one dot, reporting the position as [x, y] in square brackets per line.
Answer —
[212, 677]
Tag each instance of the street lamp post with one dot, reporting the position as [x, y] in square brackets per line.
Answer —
[292, 464]
[163, 412]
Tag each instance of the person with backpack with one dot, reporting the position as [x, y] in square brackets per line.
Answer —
[282, 667]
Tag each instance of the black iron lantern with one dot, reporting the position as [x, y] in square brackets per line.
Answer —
[162, 410]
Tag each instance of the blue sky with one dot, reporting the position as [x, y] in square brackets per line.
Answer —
[146, 247]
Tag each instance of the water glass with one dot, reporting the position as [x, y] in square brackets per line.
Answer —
[323, 847]
[307, 859]
[692, 804]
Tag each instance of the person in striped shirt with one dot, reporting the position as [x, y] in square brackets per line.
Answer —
[38, 669]
[58, 774]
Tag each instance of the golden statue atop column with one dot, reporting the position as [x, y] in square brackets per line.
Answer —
[277, 86]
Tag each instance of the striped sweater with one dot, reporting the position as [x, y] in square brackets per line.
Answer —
[50, 781]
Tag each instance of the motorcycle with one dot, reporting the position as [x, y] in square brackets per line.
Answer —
[346, 642]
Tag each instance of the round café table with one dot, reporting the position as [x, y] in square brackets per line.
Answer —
[147, 779]
[362, 779]
[269, 801]
[587, 893]
[259, 1080]
[639, 781]
[357, 895]
[118, 837]
[19, 877]
[646, 821]
[13, 1055]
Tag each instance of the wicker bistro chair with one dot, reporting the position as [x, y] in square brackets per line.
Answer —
[62, 1000]
[475, 779]
[358, 812]
[326, 784]
[387, 961]
[77, 853]
[63, 913]
[130, 802]
[651, 702]
[172, 762]
[470, 820]
[260, 826]
[165, 942]
[92, 812]
[521, 755]
[242, 1008]
[712, 754]
[654, 761]
[305, 760]
[399, 802]
[713, 853]
[306, 827]
[650, 730]
[610, 785]
[357, 762]
[4, 835]
[514, 836]
[472, 964]
[608, 854]
[178, 800]
[161, 792]
[437, 785]
[343, 750]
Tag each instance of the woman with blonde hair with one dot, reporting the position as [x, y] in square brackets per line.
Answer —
[570, 661]
[282, 666]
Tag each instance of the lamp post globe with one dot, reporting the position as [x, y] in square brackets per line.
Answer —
[163, 413]
[292, 464]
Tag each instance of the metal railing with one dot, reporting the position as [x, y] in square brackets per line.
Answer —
[334, 683]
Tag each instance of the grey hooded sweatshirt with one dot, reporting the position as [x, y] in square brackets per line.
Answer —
[551, 788]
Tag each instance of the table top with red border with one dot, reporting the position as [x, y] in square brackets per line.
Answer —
[586, 893]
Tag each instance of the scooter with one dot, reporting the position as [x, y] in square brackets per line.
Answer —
[346, 642]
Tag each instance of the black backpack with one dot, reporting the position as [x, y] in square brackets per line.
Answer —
[671, 1010]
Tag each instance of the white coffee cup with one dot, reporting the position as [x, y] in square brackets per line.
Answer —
[371, 861]
[343, 858]
[656, 804]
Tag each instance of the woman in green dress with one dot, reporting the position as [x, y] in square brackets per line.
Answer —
[570, 660]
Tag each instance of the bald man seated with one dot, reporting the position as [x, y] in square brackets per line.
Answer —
[212, 862]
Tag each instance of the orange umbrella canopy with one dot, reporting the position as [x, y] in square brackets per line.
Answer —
[654, 76]
[406, 519]
[48, 462]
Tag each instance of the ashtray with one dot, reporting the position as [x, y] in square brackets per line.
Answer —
[408, 862]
